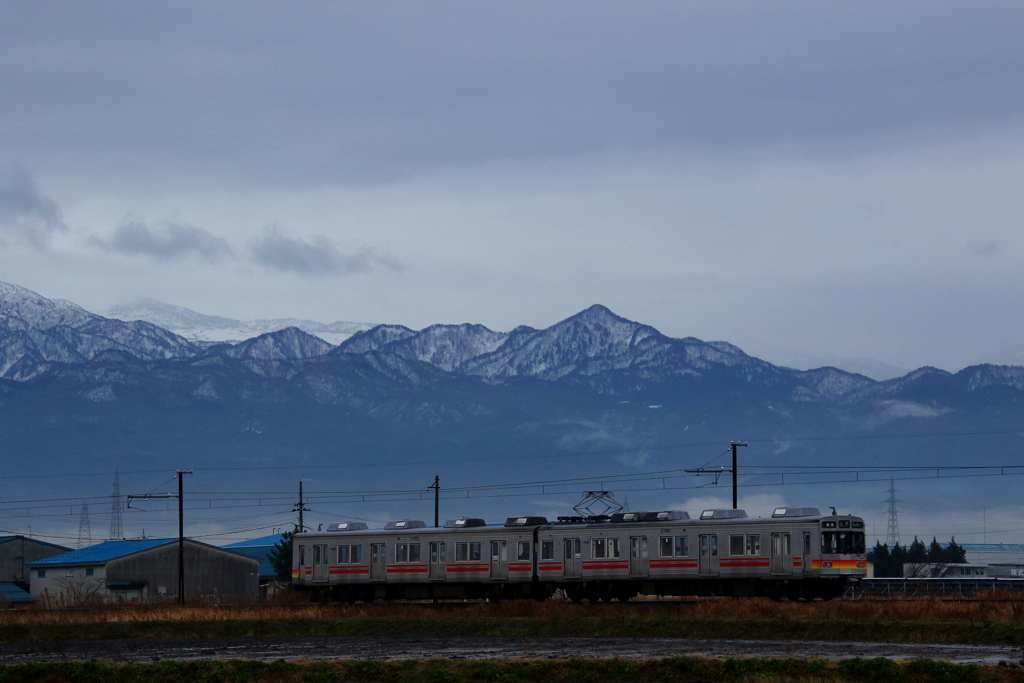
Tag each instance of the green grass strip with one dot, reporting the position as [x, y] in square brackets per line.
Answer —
[690, 669]
[875, 630]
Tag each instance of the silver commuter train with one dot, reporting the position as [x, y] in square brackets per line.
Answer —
[796, 553]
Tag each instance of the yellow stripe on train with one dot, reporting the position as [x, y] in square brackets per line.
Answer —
[839, 564]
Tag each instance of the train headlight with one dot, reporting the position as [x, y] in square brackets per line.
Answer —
[861, 564]
[827, 564]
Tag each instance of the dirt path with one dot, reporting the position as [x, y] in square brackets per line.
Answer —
[427, 647]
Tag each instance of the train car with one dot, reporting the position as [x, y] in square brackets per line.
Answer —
[795, 553]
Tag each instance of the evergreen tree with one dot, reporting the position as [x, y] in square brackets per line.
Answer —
[956, 553]
[281, 556]
[936, 553]
[897, 556]
[879, 556]
[917, 554]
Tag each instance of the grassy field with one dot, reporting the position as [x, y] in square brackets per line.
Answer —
[690, 669]
[912, 621]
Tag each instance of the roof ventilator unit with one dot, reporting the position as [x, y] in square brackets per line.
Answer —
[665, 516]
[628, 517]
[526, 521]
[347, 526]
[796, 512]
[723, 514]
[404, 524]
[463, 523]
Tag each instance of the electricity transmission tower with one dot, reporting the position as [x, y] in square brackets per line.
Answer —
[892, 532]
[84, 533]
[116, 530]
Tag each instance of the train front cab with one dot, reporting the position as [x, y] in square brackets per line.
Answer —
[841, 559]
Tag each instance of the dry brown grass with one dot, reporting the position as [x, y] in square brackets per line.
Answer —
[992, 608]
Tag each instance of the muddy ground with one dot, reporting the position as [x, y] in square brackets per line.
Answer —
[484, 647]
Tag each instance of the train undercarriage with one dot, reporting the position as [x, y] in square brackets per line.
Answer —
[591, 591]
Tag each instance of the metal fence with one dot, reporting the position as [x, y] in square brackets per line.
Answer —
[965, 587]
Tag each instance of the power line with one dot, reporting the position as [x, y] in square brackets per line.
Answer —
[549, 454]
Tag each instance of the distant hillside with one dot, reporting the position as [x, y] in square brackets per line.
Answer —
[198, 327]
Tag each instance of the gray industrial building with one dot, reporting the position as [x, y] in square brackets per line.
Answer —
[16, 552]
[144, 570]
[260, 548]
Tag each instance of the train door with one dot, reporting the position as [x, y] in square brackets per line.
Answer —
[806, 562]
[708, 560]
[438, 560]
[572, 558]
[378, 561]
[639, 558]
[499, 559]
[782, 555]
[320, 564]
[302, 563]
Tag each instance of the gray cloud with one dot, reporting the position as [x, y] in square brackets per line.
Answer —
[316, 256]
[360, 93]
[27, 215]
[984, 249]
[167, 242]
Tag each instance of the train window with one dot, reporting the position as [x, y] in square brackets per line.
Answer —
[414, 552]
[597, 548]
[682, 546]
[302, 554]
[714, 545]
[461, 552]
[523, 550]
[547, 550]
[357, 553]
[786, 548]
[753, 544]
[401, 552]
[807, 543]
[474, 552]
[666, 546]
[829, 542]
[316, 554]
[857, 543]
[343, 554]
[613, 547]
[736, 544]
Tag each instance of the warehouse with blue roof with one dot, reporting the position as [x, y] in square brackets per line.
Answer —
[260, 548]
[144, 569]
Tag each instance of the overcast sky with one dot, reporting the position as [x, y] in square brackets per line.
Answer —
[830, 177]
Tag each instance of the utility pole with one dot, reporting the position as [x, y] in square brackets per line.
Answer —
[300, 507]
[181, 537]
[735, 499]
[180, 495]
[436, 486]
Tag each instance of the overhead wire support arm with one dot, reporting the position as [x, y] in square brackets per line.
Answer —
[180, 495]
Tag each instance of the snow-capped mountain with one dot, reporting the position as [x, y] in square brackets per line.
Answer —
[199, 327]
[290, 343]
[37, 333]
